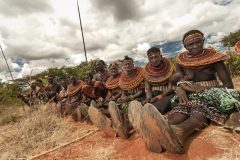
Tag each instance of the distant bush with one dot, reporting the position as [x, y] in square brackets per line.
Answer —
[64, 73]
[233, 63]
[231, 39]
[173, 60]
[8, 95]
[6, 119]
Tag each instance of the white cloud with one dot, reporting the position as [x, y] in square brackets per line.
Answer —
[47, 33]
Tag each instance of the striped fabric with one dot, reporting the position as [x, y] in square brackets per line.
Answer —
[212, 83]
[135, 90]
[160, 88]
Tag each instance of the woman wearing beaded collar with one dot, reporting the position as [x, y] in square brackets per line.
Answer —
[100, 117]
[200, 66]
[131, 83]
[74, 93]
[157, 73]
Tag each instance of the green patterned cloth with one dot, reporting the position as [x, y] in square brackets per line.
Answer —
[124, 107]
[215, 103]
[225, 100]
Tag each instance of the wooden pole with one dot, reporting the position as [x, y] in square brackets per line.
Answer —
[89, 132]
[30, 79]
[6, 62]
[80, 21]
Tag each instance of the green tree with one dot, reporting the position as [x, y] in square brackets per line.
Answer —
[65, 72]
[85, 67]
[233, 63]
[231, 39]
[8, 94]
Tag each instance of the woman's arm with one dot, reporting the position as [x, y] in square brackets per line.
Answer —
[148, 91]
[223, 74]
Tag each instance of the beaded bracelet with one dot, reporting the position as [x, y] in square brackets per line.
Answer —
[184, 82]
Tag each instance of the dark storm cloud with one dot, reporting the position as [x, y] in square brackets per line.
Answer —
[34, 51]
[222, 2]
[18, 7]
[72, 37]
[77, 46]
[121, 9]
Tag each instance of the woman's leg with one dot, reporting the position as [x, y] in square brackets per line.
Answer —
[176, 118]
[164, 105]
[194, 123]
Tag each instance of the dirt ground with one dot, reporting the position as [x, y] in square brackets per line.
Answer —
[213, 143]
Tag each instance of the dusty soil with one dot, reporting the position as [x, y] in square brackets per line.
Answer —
[212, 143]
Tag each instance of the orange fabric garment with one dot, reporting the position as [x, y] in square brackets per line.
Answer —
[74, 89]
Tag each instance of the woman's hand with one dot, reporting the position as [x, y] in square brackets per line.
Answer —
[125, 99]
[200, 88]
[153, 100]
[182, 95]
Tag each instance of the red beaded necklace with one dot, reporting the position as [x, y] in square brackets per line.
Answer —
[127, 82]
[209, 56]
[159, 74]
[113, 81]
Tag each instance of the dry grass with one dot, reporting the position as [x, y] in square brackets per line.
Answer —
[42, 130]
[10, 114]
[98, 154]
[38, 132]
[102, 153]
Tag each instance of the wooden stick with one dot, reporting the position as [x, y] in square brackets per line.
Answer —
[68, 143]
[6, 62]
[30, 77]
[80, 22]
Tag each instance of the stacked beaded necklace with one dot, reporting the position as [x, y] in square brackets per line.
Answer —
[130, 82]
[72, 90]
[237, 47]
[159, 74]
[113, 81]
[208, 56]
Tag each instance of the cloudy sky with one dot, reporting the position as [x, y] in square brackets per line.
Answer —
[38, 34]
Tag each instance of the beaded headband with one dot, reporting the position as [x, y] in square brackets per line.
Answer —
[189, 37]
[148, 53]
